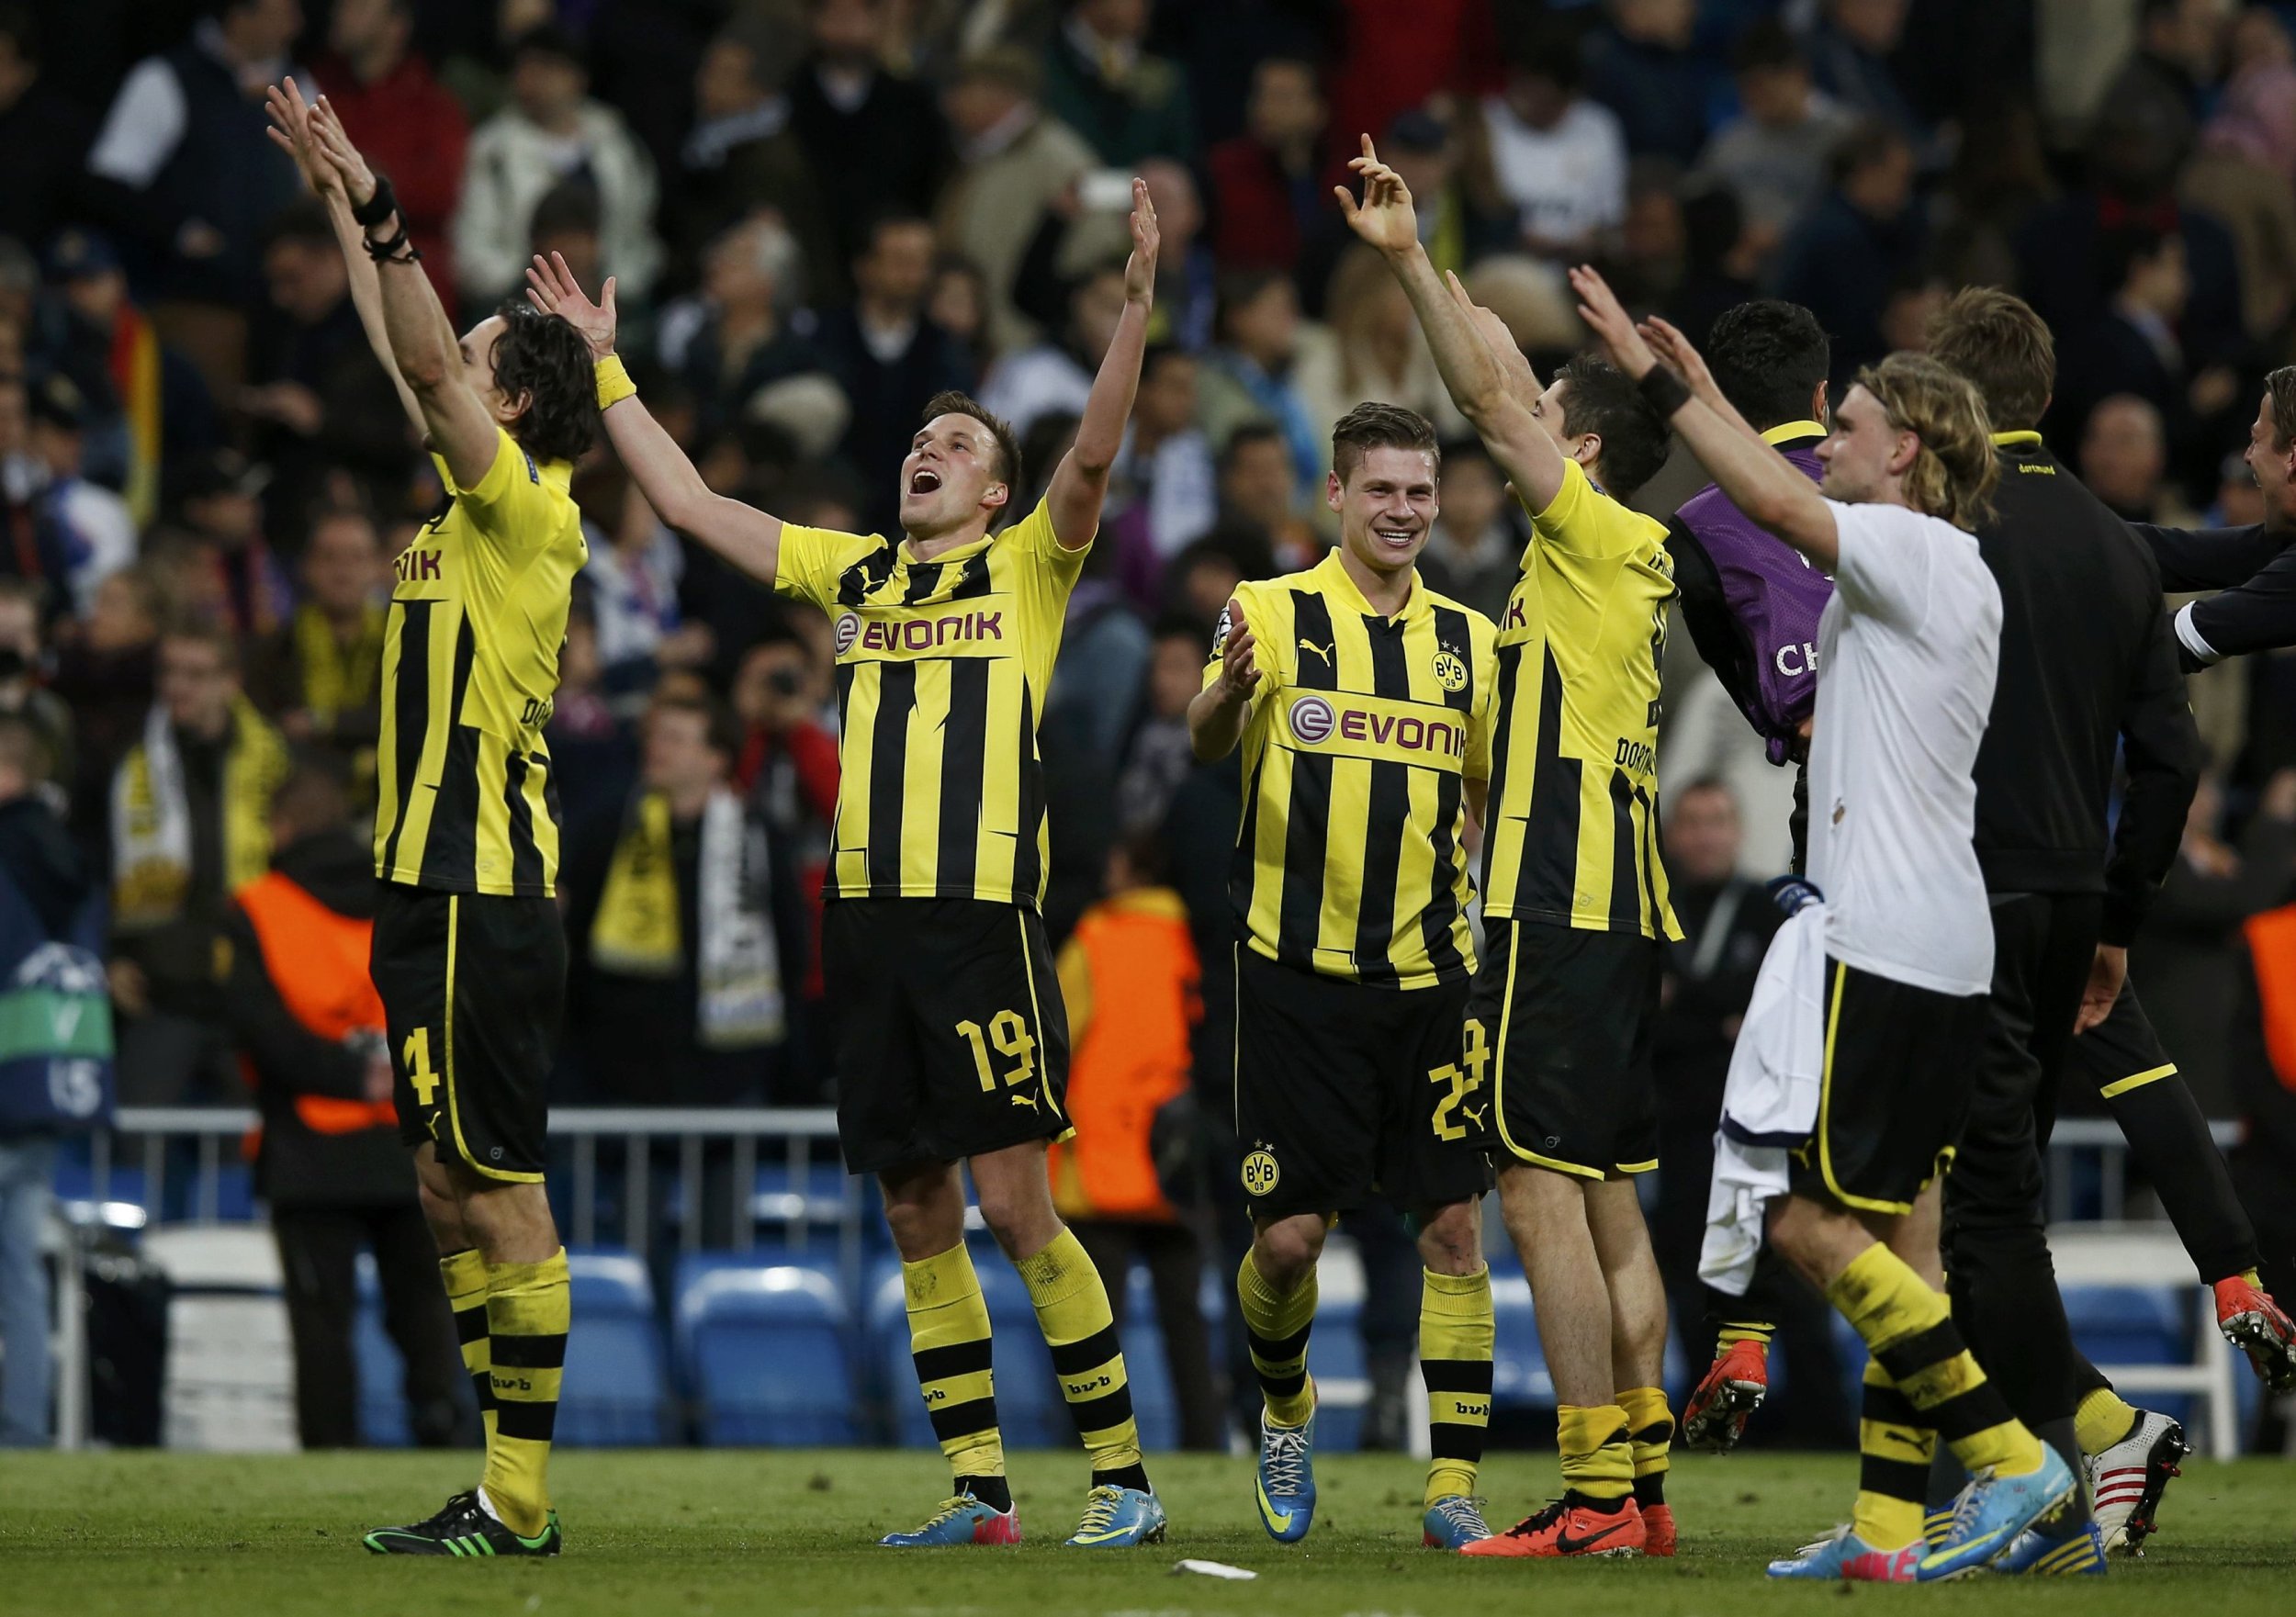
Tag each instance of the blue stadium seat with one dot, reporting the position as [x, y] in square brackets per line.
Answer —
[1342, 1375]
[383, 1420]
[616, 1388]
[1147, 1367]
[2135, 1325]
[1519, 1378]
[767, 1351]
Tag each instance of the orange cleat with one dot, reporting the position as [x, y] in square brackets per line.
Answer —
[1565, 1528]
[1716, 1416]
[2258, 1327]
[1658, 1530]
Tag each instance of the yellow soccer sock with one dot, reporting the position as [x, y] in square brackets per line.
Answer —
[1733, 1332]
[1597, 1447]
[1072, 1310]
[527, 1309]
[1456, 1333]
[1650, 1431]
[464, 1274]
[1894, 1447]
[1908, 1328]
[948, 1342]
[2103, 1419]
[1276, 1324]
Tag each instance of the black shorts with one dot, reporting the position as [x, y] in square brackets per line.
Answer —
[951, 1036]
[1901, 1069]
[1345, 1092]
[2121, 1052]
[1562, 1017]
[473, 989]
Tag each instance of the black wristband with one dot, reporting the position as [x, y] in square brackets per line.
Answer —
[1666, 391]
[389, 251]
[377, 207]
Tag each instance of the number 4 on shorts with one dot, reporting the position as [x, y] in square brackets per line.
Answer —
[415, 1055]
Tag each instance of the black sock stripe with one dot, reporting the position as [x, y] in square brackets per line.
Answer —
[1650, 1489]
[1895, 1479]
[1098, 1414]
[1460, 1375]
[956, 1358]
[1279, 1349]
[1968, 1412]
[1075, 1358]
[1656, 1433]
[530, 1353]
[1133, 1475]
[1888, 1405]
[482, 1383]
[531, 1421]
[1455, 1440]
[1905, 1360]
[954, 1420]
[470, 1323]
[1283, 1387]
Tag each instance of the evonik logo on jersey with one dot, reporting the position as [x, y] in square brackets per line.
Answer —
[1317, 719]
[972, 631]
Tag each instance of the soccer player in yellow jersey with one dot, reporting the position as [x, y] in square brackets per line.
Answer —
[1363, 700]
[952, 1043]
[468, 952]
[1574, 900]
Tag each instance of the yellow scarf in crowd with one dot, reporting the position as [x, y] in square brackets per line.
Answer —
[152, 817]
[337, 677]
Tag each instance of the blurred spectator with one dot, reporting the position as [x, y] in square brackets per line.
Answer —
[317, 397]
[1850, 49]
[681, 913]
[1719, 258]
[632, 578]
[190, 826]
[2238, 502]
[958, 304]
[146, 404]
[1159, 756]
[1018, 168]
[1425, 150]
[106, 674]
[593, 755]
[321, 677]
[788, 770]
[552, 130]
[79, 532]
[1915, 297]
[1260, 496]
[1644, 64]
[2242, 175]
[44, 136]
[401, 119]
[889, 357]
[1558, 158]
[1394, 55]
[231, 571]
[24, 693]
[1999, 175]
[1268, 182]
[1774, 152]
[1378, 351]
[2186, 958]
[1474, 552]
[1055, 378]
[291, 970]
[1130, 978]
[736, 340]
[2125, 456]
[2136, 347]
[2179, 55]
[742, 155]
[879, 135]
[1102, 83]
[1187, 277]
[1163, 492]
[187, 177]
[1842, 261]
[42, 890]
[1651, 257]
[1255, 372]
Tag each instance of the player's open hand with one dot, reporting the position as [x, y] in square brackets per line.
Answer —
[331, 141]
[290, 132]
[1385, 217]
[1239, 669]
[1673, 349]
[552, 288]
[1140, 270]
[1612, 325]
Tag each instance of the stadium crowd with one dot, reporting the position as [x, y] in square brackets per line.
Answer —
[820, 213]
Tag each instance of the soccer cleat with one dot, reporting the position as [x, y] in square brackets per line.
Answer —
[2082, 1555]
[1993, 1510]
[1936, 1525]
[467, 1528]
[2258, 1327]
[1658, 1530]
[960, 1520]
[1566, 1528]
[1115, 1517]
[1453, 1523]
[1844, 1557]
[1715, 1418]
[1286, 1485]
[2127, 1481]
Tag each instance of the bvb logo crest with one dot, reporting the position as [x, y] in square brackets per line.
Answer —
[1450, 670]
[1260, 1171]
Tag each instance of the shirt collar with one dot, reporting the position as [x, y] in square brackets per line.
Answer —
[2017, 439]
[1341, 583]
[1787, 433]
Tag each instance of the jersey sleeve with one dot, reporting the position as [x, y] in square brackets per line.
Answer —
[511, 506]
[811, 560]
[1888, 559]
[1483, 642]
[1051, 571]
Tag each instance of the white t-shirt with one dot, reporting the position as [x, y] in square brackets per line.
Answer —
[1566, 183]
[1906, 653]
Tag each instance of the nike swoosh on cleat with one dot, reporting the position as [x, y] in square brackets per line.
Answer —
[1568, 1545]
[1280, 1521]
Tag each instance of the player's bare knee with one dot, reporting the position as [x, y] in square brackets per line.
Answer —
[1285, 1249]
[1450, 1239]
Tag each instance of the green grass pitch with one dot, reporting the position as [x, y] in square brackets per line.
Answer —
[790, 1532]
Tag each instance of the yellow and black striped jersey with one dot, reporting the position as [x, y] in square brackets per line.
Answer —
[941, 670]
[470, 665]
[1572, 838]
[1350, 857]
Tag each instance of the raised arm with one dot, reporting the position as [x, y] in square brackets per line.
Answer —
[1761, 482]
[746, 537]
[1082, 481]
[1471, 369]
